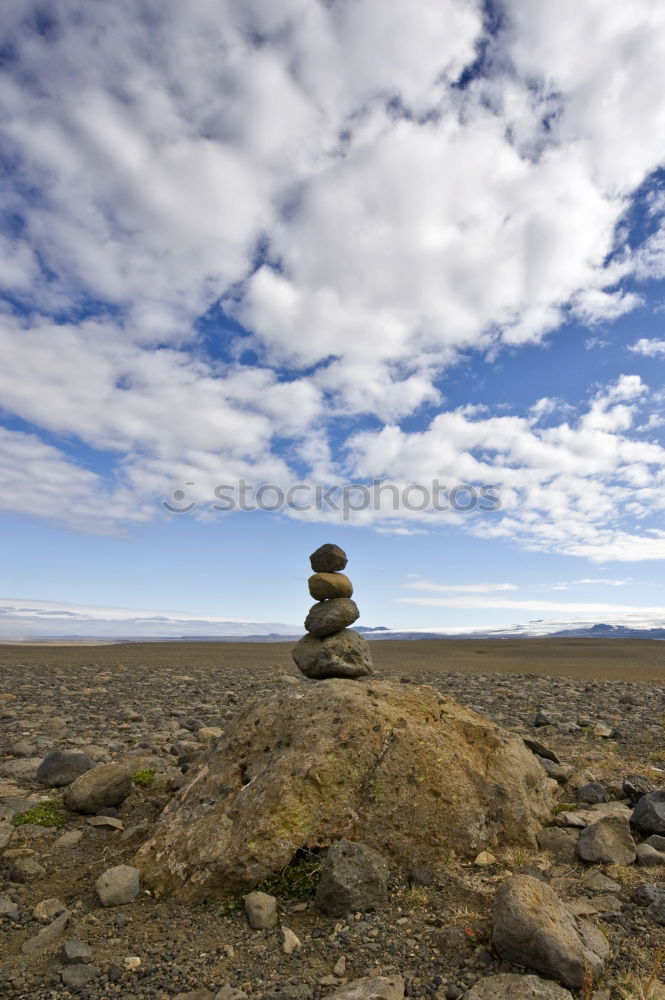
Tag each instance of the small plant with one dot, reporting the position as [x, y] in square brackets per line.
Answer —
[417, 895]
[298, 880]
[47, 813]
[565, 807]
[144, 778]
[638, 982]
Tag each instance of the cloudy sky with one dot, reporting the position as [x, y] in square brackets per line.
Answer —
[325, 242]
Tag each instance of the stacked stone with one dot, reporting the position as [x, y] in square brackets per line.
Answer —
[331, 649]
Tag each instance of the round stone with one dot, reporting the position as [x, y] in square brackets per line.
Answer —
[328, 559]
[331, 616]
[324, 586]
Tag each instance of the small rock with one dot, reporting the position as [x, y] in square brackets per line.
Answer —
[48, 935]
[560, 842]
[634, 786]
[569, 818]
[69, 839]
[484, 858]
[647, 893]
[261, 910]
[74, 977]
[597, 882]
[353, 878]
[105, 822]
[48, 909]
[62, 767]
[118, 885]
[649, 856]
[8, 908]
[228, 992]
[339, 968]
[196, 995]
[107, 785]
[132, 963]
[370, 988]
[542, 719]
[649, 813]
[608, 841]
[26, 870]
[290, 941]
[208, 734]
[511, 986]
[76, 952]
[655, 840]
[603, 730]
[592, 793]
[541, 751]
[560, 772]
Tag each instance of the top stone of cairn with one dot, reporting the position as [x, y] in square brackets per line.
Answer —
[328, 559]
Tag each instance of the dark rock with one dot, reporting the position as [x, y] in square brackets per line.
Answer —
[592, 793]
[353, 878]
[635, 786]
[62, 767]
[541, 751]
[647, 893]
[649, 813]
[608, 841]
[76, 952]
[328, 558]
[327, 617]
[75, 977]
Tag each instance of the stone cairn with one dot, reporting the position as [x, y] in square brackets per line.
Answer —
[331, 649]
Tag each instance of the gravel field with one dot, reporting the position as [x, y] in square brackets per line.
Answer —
[598, 705]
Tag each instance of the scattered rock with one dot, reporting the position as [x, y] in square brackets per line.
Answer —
[608, 841]
[510, 986]
[48, 909]
[261, 910]
[290, 941]
[48, 935]
[8, 908]
[62, 767]
[649, 813]
[354, 878]
[26, 870]
[69, 839]
[532, 927]
[75, 952]
[592, 793]
[370, 988]
[75, 977]
[107, 785]
[118, 885]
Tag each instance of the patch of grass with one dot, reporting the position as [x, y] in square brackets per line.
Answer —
[417, 895]
[47, 813]
[297, 880]
[564, 807]
[638, 982]
[144, 778]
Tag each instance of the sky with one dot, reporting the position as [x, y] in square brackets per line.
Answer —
[399, 267]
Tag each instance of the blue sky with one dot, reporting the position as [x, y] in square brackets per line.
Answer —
[326, 244]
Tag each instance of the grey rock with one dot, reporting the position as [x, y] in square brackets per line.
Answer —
[649, 856]
[649, 813]
[118, 885]
[647, 893]
[353, 878]
[69, 839]
[511, 986]
[62, 767]
[560, 772]
[26, 870]
[559, 841]
[342, 654]
[327, 617]
[656, 910]
[48, 935]
[370, 988]
[592, 793]
[261, 910]
[541, 751]
[8, 908]
[20, 769]
[74, 977]
[542, 719]
[635, 786]
[328, 558]
[608, 841]
[532, 927]
[107, 785]
[655, 840]
[597, 882]
[76, 952]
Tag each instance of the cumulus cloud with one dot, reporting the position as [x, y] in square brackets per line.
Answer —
[458, 190]
[650, 347]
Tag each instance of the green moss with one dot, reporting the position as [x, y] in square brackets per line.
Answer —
[298, 880]
[565, 807]
[47, 813]
[144, 778]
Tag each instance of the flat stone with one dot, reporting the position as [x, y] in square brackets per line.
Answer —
[105, 823]
[76, 952]
[74, 977]
[69, 839]
[46, 937]
[511, 986]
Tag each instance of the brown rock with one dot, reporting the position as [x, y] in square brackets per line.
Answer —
[328, 559]
[608, 841]
[324, 586]
[327, 617]
[107, 785]
[400, 768]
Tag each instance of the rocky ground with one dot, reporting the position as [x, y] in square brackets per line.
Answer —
[156, 713]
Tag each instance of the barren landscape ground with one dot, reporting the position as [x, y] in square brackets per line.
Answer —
[601, 705]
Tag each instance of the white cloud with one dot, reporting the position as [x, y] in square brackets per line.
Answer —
[370, 227]
[572, 607]
[649, 347]
[467, 588]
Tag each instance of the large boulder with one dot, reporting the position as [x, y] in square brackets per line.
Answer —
[327, 617]
[343, 654]
[532, 927]
[401, 768]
